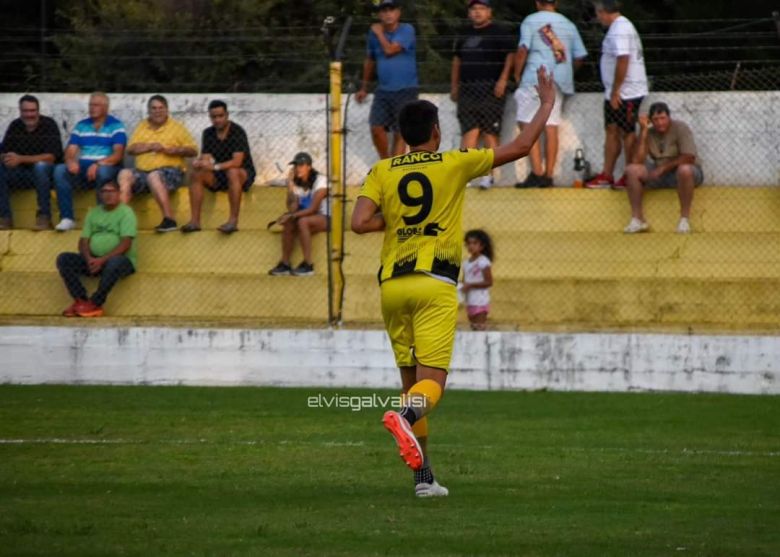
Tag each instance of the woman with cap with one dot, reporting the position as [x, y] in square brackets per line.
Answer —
[307, 214]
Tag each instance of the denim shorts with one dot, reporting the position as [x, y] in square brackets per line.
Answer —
[172, 178]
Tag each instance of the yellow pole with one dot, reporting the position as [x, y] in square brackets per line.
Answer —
[337, 200]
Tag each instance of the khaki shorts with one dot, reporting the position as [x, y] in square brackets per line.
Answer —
[420, 314]
[527, 100]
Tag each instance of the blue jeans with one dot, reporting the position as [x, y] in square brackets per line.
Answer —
[65, 182]
[24, 176]
[72, 265]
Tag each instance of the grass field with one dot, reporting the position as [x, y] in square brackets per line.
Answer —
[197, 471]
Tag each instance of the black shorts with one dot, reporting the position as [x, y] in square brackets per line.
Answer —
[625, 117]
[479, 108]
[387, 105]
[221, 181]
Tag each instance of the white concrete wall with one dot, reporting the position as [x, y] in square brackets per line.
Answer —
[737, 133]
[341, 358]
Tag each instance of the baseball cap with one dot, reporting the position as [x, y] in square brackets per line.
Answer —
[379, 4]
[301, 158]
[483, 2]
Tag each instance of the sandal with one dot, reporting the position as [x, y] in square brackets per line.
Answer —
[189, 227]
[228, 228]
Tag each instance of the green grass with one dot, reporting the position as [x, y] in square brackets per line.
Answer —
[199, 471]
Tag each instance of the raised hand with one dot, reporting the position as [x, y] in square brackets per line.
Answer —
[545, 86]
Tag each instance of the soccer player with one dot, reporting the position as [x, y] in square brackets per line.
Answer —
[417, 200]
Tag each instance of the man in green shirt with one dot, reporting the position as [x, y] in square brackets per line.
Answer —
[107, 249]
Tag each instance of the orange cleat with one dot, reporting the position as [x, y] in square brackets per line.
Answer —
[89, 309]
[409, 447]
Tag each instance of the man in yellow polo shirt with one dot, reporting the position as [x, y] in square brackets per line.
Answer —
[160, 145]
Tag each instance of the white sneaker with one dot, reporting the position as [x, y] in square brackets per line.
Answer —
[683, 227]
[65, 225]
[485, 182]
[431, 490]
[635, 226]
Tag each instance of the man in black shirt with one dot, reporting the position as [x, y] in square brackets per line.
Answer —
[30, 148]
[225, 164]
[481, 65]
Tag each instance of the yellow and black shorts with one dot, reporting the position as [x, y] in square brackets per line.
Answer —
[420, 314]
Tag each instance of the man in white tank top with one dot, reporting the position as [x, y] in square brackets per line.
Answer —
[625, 86]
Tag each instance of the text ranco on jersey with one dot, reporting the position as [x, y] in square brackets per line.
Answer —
[416, 157]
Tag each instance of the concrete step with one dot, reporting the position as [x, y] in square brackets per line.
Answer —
[596, 304]
[207, 252]
[715, 209]
[193, 296]
[599, 255]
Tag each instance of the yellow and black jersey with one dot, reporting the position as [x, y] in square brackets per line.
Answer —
[420, 195]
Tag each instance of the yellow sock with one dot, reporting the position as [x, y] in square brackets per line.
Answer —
[424, 396]
[420, 428]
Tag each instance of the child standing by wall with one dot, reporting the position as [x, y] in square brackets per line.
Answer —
[477, 277]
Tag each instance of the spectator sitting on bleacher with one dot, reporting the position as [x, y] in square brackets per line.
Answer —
[107, 248]
[93, 156]
[225, 164]
[307, 214]
[160, 145]
[670, 146]
[30, 148]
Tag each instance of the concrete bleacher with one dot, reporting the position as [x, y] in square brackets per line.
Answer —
[562, 261]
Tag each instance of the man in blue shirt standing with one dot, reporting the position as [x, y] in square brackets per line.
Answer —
[548, 39]
[93, 156]
[391, 52]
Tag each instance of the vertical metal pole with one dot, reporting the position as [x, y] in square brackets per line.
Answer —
[337, 192]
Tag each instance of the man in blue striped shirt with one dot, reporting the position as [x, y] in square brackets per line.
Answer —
[93, 156]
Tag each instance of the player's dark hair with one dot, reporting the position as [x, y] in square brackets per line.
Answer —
[159, 98]
[29, 99]
[659, 108]
[217, 104]
[609, 6]
[483, 238]
[416, 121]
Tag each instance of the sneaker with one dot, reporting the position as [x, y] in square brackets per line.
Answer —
[600, 181]
[281, 270]
[167, 225]
[65, 225]
[73, 309]
[6, 223]
[42, 222]
[485, 182]
[431, 490]
[531, 181]
[546, 182]
[89, 309]
[635, 226]
[620, 184]
[408, 446]
[304, 270]
[683, 227]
